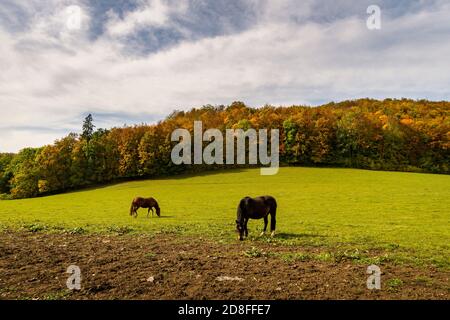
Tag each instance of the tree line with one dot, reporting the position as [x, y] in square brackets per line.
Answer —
[402, 135]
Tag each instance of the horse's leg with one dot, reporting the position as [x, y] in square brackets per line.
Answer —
[148, 212]
[245, 228]
[266, 221]
[273, 222]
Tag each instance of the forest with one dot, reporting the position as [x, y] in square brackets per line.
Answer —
[400, 135]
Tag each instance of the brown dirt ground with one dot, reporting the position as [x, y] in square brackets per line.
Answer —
[33, 266]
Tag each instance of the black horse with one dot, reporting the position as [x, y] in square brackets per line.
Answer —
[256, 208]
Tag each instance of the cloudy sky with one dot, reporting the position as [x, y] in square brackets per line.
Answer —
[134, 61]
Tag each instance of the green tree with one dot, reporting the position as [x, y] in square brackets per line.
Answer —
[88, 128]
[5, 172]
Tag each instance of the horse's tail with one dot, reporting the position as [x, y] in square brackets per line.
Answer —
[273, 206]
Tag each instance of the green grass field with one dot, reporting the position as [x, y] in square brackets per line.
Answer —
[404, 215]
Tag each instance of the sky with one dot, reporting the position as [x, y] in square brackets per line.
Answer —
[135, 61]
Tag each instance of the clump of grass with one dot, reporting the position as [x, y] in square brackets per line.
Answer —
[335, 257]
[120, 230]
[175, 230]
[325, 257]
[376, 259]
[392, 246]
[150, 255]
[423, 280]
[34, 227]
[299, 256]
[253, 252]
[354, 255]
[440, 262]
[394, 284]
[76, 230]
[59, 295]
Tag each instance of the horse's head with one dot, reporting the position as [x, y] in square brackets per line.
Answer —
[240, 230]
[154, 204]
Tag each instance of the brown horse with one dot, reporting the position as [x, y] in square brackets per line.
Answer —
[147, 203]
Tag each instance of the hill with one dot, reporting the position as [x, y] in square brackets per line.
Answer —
[400, 135]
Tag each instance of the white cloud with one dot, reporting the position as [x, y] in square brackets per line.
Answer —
[151, 13]
[51, 75]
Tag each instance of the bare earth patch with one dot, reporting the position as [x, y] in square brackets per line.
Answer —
[33, 266]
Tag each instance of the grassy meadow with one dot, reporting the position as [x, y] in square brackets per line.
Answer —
[404, 216]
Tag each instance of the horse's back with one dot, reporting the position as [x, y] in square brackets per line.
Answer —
[259, 207]
[153, 202]
[138, 200]
[268, 200]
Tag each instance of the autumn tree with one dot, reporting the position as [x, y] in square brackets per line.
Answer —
[391, 134]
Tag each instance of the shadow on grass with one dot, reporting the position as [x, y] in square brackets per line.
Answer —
[157, 218]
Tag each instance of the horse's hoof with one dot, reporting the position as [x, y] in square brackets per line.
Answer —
[272, 234]
[262, 234]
